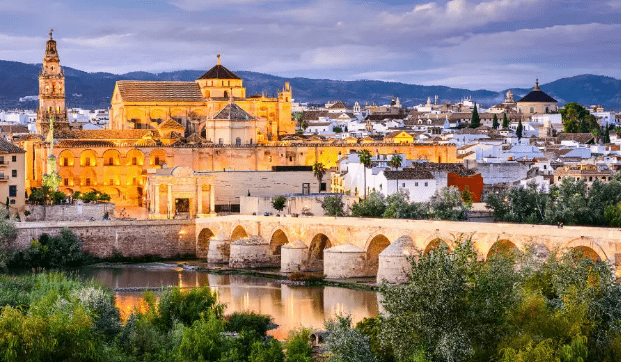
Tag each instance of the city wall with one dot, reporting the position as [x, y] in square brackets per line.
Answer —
[78, 211]
[165, 238]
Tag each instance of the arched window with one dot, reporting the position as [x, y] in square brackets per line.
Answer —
[226, 94]
[238, 141]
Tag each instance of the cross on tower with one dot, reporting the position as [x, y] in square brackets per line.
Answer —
[51, 31]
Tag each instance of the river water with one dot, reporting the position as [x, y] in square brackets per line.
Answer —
[290, 306]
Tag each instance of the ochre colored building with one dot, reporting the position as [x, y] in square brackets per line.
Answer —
[206, 125]
[198, 106]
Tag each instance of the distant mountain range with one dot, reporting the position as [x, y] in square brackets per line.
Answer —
[93, 90]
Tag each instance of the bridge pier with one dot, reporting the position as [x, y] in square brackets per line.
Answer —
[252, 252]
[394, 261]
[293, 257]
[219, 250]
[345, 261]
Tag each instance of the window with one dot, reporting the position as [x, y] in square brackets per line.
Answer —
[135, 161]
[14, 158]
[12, 191]
[426, 184]
[87, 182]
[66, 181]
[13, 173]
[270, 159]
[110, 161]
[415, 184]
[12, 201]
[238, 141]
[111, 182]
[65, 161]
[220, 141]
[403, 185]
[87, 162]
[322, 187]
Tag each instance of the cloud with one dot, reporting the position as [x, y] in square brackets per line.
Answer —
[106, 41]
[200, 5]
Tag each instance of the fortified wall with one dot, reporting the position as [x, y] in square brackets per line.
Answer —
[165, 238]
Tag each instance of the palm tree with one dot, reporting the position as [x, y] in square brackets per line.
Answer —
[319, 171]
[365, 160]
[395, 163]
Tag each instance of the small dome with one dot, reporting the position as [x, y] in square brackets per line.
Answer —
[345, 248]
[298, 244]
[404, 246]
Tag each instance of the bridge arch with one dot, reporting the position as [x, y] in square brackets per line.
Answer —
[374, 247]
[317, 245]
[279, 238]
[202, 243]
[435, 243]
[238, 233]
[503, 247]
[588, 248]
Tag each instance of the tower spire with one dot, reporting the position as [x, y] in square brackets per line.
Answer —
[219, 60]
[51, 31]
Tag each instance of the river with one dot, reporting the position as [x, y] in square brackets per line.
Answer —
[290, 306]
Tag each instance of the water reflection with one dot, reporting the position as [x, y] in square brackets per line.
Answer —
[289, 306]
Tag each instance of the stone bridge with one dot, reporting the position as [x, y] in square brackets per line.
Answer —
[351, 247]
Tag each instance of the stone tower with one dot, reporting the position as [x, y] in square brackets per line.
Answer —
[51, 92]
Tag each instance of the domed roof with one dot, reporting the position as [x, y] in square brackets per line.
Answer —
[537, 96]
[297, 244]
[404, 246]
[345, 248]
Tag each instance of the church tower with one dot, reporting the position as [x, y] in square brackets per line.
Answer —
[51, 92]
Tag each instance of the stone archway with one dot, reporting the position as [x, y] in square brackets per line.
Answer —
[202, 244]
[586, 247]
[318, 244]
[374, 247]
[583, 251]
[434, 244]
[503, 248]
[279, 238]
[238, 233]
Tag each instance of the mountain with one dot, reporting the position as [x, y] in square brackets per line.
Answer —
[93, 90]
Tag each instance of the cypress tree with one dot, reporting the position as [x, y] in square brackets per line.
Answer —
[495, 123]
[519, 130]
[475, 121]
[505, 121]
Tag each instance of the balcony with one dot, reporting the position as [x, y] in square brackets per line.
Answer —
[4, 178]
[4, 163]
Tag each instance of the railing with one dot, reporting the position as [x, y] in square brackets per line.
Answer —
[4, 163]
[4, 178]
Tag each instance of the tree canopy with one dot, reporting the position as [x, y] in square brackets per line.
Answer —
[577, 119]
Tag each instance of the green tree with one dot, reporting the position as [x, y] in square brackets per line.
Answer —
[467, 196]
[372, 206]
[447, 204]
[338, 129]
[577, 119]
[519, 130]
[365, 160]
[298, 346]
[495, 123]
[279, 202]
[505, 121]
[397, 206]
[333, 205]
[475, 120]
[319, 171]
[8, 233]
[606, 138]
[346, 344]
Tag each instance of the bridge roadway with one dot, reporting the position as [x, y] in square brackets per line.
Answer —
[369, 237]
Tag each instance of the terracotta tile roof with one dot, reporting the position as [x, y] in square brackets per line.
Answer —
[579, 137]
[13, 129]
[171, 125]
[456, 168]
[143, 91]
[7, 147]
[102, 134]
[408, 174]
[233, 112]
[30, 137]
[537, 96]
[219, 72]
[338, 105]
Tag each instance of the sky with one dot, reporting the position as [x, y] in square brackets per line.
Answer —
[473, 44]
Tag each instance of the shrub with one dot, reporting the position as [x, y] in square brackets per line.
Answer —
[347, 344]
[270, 351]
[305, 277]
[60, 251]
[186, 307]
[298, 346]
[203, 341]
[333, 206]
[250, 321]
[279, 202]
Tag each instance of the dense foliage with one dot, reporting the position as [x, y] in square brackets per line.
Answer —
[569, 203]
[91, 196]
[511, 307]
[448, 204]
[45, 195]
[577, 119]
[279, 202]
[333, 205]
[52, 317]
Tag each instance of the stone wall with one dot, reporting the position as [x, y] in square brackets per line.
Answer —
[296, 204]
[505, 172]
[130, 238]
[78, 211]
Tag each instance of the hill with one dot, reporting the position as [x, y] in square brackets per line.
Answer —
[93, 90]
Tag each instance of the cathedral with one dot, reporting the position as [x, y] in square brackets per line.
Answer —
[210, 126]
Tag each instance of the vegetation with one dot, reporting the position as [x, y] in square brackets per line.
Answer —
[395, 163]
[519, 130]
[91, 196]
[338, 129]
[577, 119]
[569, 203]
[279, 202]
[54, 317]
[475, 120]
[319, 171]
[505, 120]
[495, 123]
[45, 195]
[446, 205]
[333, 205]
[365, 159]
[511, 307]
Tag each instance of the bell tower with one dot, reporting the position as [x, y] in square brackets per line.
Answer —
[51, 92]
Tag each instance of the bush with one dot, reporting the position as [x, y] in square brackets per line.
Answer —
[298, 346]
[347, 344]
[186, 307]
[373, 206]
[279, 202]
[250, 321]
[305, 277]
[333, 205]
[60, 251]
[270, 351]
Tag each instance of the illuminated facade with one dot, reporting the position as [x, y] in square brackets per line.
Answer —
[51, 91]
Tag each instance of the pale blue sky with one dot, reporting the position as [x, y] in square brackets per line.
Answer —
[492, 44]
